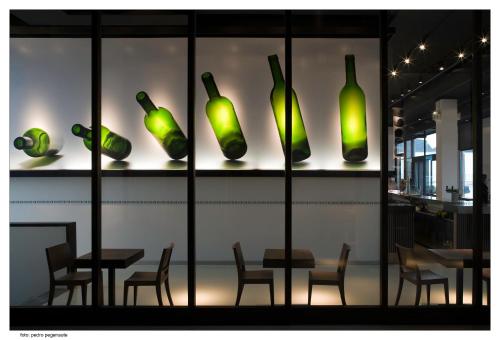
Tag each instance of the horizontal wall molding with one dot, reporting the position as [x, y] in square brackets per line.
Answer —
[167, 202]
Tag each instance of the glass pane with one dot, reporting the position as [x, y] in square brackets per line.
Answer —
[335, 219]
[50, 88]
[430, 144]
[418, 147]
[236, 131]
[467, 173]
[400, 148]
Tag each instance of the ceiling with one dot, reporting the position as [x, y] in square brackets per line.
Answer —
[420, 84]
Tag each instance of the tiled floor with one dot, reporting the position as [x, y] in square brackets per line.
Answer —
[217, 284]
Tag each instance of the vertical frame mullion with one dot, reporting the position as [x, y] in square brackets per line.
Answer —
[477, 145]
[191, 197]
[383, 160]
[288, 159]
[96, 69]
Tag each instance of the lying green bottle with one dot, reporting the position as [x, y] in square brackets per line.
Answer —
[300, 144]
[162, 125]
[112, 144]
[36, 143]
[222, 116]
[353, 116]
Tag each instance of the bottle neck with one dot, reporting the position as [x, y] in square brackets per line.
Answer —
[146, 103]
[210, 86]
[22, 143]
[350, 69]
[81, 131]
[274, 63]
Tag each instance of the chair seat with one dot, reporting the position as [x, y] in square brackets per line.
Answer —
[426, 276]
[142, 278]
[258, 276]
[324, 277]
[486, 274]
[74, 278]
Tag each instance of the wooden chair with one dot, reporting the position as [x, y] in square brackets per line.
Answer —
[486, 278]
[409, 270]
[251, 276]
[152, 279]
[328, 278]
[59, 257]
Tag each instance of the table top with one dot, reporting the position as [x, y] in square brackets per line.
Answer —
[275, 258]
[458, 258]
[112, 258]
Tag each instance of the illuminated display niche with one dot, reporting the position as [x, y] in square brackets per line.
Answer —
[50, 89]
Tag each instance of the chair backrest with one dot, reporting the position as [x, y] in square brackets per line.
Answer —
[59, 257]
[238, 257]
[344, 255]
[407, 261]
[164, 265]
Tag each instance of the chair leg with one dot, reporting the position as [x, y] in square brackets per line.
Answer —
[446, 293]
[428, 295]
[135, 295]
[309, 293]
[271, 292]
[70, 296]
[342, 294]
[51, 294]
[400, 289]
[158, 294]
[419, 291]
[84, 294]
[125, 294]
[240, 291]
[167, 288]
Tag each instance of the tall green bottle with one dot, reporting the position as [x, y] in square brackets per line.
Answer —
[300, 144]
[353, 116]
[222, 116]
[162, 125]
[36, 143]
[112, 144]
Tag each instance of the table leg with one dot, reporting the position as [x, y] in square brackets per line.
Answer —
[100, 298]
[460, 286]
[111, 286]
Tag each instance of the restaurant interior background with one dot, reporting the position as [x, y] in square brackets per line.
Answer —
[398, 226]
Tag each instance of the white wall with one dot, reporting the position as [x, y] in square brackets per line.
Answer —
[150, 213]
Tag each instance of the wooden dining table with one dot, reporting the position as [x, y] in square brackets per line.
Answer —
[111, 259]
[458, 259]
[275, 258]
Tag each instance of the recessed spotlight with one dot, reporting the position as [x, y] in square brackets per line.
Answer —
[420, 82]
[394, 73]
[461, 55]
[484, 40]
[408, 90]
[422, 47]
[402, 94]
[407, 60]
[441, 68]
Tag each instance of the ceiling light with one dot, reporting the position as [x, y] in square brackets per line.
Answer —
[484, 40]
[422, 47]
[461, 55]
[402, 94]
[441, 68]
[407, 60]
[420, 82]
[394, 73]
[408, 90]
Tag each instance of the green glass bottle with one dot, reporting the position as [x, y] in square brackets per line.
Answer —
[300, 144]
[36, 143]
[112, 144]
[222, 116]
[162, 125]
[353, 116]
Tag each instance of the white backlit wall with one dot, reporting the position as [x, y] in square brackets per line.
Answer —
[242, 74]
[49, 89]
[318, 78]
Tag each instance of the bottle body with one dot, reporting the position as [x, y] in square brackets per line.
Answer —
[224, 121]
[112, 144]
[36, 143]
[300, 144]
[162, 125]
[353, 117]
